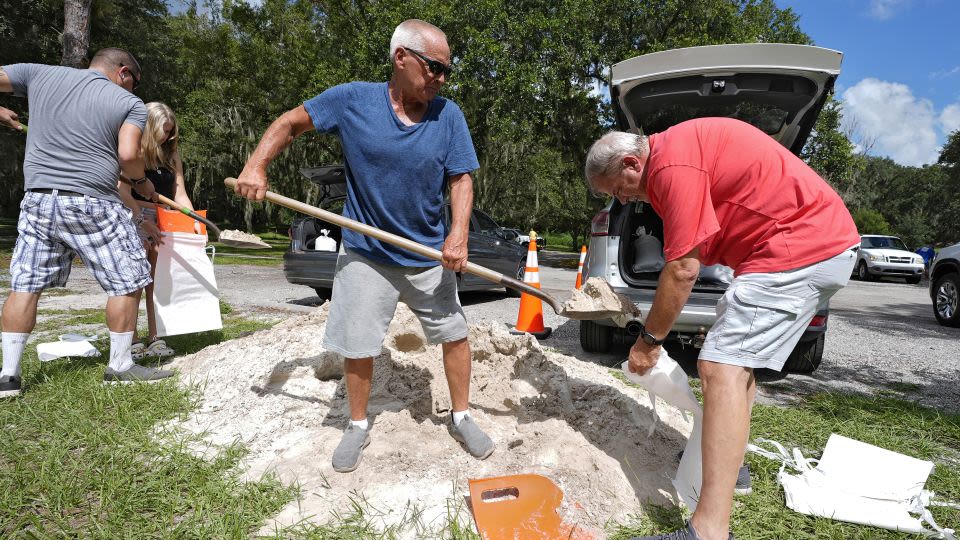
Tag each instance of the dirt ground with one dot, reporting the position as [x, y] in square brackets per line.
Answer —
[282, 395]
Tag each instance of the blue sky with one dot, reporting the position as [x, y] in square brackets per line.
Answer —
[900, 77]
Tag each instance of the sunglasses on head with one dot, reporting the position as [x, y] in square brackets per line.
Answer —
[136, 78]
[433, 66]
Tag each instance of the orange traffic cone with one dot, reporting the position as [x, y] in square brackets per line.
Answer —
[530, 318]
[583, 257]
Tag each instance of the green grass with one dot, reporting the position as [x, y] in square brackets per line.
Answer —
[79, 459]
[258, 257]
[882, 420]
[560, 242]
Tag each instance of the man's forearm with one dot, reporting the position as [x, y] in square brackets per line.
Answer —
[133, 168]
[673, 290]
[5, 85]
[461, 203]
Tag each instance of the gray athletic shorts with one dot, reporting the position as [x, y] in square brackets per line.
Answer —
[761, 317]
[53, 229]
[365, 296]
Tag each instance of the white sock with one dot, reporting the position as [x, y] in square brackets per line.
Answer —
[362, 424]
[120, 359]
[459, 416]
[13, 345]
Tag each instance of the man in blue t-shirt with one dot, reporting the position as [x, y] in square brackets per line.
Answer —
[403, 146]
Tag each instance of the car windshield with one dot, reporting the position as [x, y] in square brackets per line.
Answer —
[891, 242]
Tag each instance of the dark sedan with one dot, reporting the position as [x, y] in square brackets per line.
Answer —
[309, 262]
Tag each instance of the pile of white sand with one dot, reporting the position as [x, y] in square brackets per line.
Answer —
[281, 394]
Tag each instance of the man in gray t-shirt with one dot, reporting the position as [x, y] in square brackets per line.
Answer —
[85, 128]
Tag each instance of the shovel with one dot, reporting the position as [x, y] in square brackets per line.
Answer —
[255, 243]
[390, 238]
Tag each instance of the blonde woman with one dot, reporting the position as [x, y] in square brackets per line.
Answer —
[161, 157]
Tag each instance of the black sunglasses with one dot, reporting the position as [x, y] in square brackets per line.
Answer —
[136, 78]
[434, 66]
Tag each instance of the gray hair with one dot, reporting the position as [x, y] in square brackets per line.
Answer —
[605, 155]
[411, 33]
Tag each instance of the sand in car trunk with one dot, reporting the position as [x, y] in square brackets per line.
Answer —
[597, 300]
[281, 394]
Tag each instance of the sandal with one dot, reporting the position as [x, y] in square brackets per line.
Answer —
[138, 350]
[159, 348]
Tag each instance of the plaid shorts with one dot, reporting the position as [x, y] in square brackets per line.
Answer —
[53, 229]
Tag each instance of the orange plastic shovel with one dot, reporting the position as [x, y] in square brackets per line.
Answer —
[520, 507]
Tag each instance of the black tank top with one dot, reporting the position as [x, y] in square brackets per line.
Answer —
[163, 182]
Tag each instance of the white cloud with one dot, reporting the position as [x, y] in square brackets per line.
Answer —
[891, 121]
[950, 118]
[944, 73]
[885, 9]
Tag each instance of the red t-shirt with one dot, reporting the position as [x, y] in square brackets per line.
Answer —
[748, 202]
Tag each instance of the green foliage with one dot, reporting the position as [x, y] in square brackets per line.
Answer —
[831, 154]
[529, 78]
[870, 222]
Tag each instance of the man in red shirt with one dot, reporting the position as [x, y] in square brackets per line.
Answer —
[730, 194]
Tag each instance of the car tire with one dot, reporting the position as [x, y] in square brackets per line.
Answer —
[595, 338]
[521, 270]
[862, 273]
[946, 299]
[323, 292]
[806, 356]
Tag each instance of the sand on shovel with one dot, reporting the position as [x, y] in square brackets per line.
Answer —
[233, 237]
[597, 300]
[281, 394]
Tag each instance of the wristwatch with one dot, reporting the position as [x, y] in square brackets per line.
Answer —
[649, 338]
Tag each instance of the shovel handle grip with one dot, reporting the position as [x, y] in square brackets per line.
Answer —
[390, 238]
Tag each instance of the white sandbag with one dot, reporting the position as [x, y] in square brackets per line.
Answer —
[185, 296]
[689, 479]
[69, 345]
[667, 380]
[858, 483]
[324, 242]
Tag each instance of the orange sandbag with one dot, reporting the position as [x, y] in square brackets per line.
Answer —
[174, 221]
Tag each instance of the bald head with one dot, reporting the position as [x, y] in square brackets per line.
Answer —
[107, 60]
[414, 34]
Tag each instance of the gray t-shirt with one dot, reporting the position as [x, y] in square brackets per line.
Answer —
[75, 119]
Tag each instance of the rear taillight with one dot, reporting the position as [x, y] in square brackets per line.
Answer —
[818, 320]
[600, 226]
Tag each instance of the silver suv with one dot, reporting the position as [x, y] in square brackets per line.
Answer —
[778, 88]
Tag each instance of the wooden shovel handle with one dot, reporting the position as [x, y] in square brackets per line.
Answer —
[390, 238]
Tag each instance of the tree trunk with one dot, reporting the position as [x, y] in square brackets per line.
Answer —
[76, 33]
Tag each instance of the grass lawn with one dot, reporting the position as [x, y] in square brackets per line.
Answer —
[80, 459]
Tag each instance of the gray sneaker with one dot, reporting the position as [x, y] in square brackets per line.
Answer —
[744, 485]
[135, 374]
[472, 437]
[9, 386]
[346, 457]
[686, 533]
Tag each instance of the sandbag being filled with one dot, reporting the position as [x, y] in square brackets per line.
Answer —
[185, 296]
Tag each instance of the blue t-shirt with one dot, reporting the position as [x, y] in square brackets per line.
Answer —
[396, 174]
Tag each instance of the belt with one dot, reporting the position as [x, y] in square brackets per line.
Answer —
[60, 192]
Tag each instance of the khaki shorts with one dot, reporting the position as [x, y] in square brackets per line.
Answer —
[365, 296]
[762, 316]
